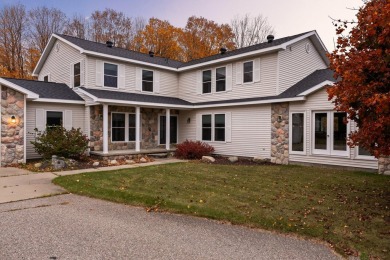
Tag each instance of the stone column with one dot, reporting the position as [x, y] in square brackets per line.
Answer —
[384, 165]
[105, 128]
[279, 133]
[137, 129]
[168, 129]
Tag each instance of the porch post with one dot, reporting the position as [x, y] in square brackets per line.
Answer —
[137, 129]
[168, 128]
[105, 128]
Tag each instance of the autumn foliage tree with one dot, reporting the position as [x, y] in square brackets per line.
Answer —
[362, 63]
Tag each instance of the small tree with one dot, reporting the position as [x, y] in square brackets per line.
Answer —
[61, 142]
[362, 62]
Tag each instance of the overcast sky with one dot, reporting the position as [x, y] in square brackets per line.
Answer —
[288, 17]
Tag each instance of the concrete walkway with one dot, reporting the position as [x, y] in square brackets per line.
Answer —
[18, 184]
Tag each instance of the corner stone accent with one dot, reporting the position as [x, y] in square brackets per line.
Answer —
[149, 128]
[279, 133]
[384, 165]
[12, 134]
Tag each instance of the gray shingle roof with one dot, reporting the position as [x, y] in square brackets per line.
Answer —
[47, 89]
[124, 53]
[127, 96]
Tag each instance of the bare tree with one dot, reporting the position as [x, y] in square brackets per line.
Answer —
[78, 27]
[13, 26]
[250, 30]
[43, 23]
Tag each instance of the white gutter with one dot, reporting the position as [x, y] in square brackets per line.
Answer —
[256, 102]
[53, 100]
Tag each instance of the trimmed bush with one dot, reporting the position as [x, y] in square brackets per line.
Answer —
[61, 142]
[193, 150]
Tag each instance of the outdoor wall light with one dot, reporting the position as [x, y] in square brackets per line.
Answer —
[279, 118]
[188, 120]
[13, 119]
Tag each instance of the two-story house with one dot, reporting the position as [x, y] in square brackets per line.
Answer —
[265, 100]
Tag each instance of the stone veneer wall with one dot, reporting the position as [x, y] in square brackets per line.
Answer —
[12, 134]
[384, 165]
[149, 128]
[279, 133]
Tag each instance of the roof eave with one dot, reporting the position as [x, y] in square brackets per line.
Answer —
[315, 88]
[29, 94]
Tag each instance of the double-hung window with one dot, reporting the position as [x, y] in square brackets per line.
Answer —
[248, 71]
[206, 81]
[220, 79]
[110, 75]
[123, 127]
[147, 80]
[213, 127]
[76, 74]
[297, 140]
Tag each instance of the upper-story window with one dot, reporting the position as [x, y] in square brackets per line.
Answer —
[46, 78]
[248, 71]
[76, 74]
[206, 81]
[147, 80]
[220, 79]
[110, 75]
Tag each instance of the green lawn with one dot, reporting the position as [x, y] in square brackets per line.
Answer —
[350, 210]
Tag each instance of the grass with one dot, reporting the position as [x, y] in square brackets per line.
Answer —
[349, 210]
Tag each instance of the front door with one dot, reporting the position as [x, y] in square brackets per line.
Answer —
[173, 129]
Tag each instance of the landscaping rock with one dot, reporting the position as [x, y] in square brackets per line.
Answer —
[38, 165]
[208, 159]
[113, 162]
[259, 159]
[95, 164]
[143, 160]
[130, 162]
[233, 159]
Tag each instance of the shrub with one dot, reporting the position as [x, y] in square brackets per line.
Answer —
[193, 150]
[61, 142]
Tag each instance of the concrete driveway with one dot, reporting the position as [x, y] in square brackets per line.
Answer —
[75, 227]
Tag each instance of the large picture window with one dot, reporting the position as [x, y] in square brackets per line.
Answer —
[76, 74]
[248, 71]
[220, 79]
[330, 133]
[123, 127]
[110, 75]
[298, 132]
[147, 80]
[54, 118]
[206, 81]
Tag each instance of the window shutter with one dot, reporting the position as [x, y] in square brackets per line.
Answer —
[239, 73]
[40, 120]
[213, 80]
[228, 127]
[121, 76]
[82, 72]
[229, 73]
[138, 79]
[198, 127]
[156, 81]
[99, 73]
[257, 70]
[68, 119]
[71, 73]
[199, 82]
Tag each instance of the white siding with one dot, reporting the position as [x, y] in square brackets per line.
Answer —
[295, 63]
[78, 120]
[315, 102]
[58, 64]
[168, 79]
[265, 87]
[251, 130]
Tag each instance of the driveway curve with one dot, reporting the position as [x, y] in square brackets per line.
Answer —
[75, 227]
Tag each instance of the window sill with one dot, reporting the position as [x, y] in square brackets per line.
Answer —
[367, 158]
[345, 156]
[117, 142]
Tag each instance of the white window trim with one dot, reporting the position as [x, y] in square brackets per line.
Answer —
[363, 157]
[217, 80]
[177, 128]
[61, 111]
[211, 82]
[73, 75]
[142, 89]
[304, 132]
[117, 76]
[126, 127]
[253, 72]
[212, 127]
[48, 77]
[330, 127]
